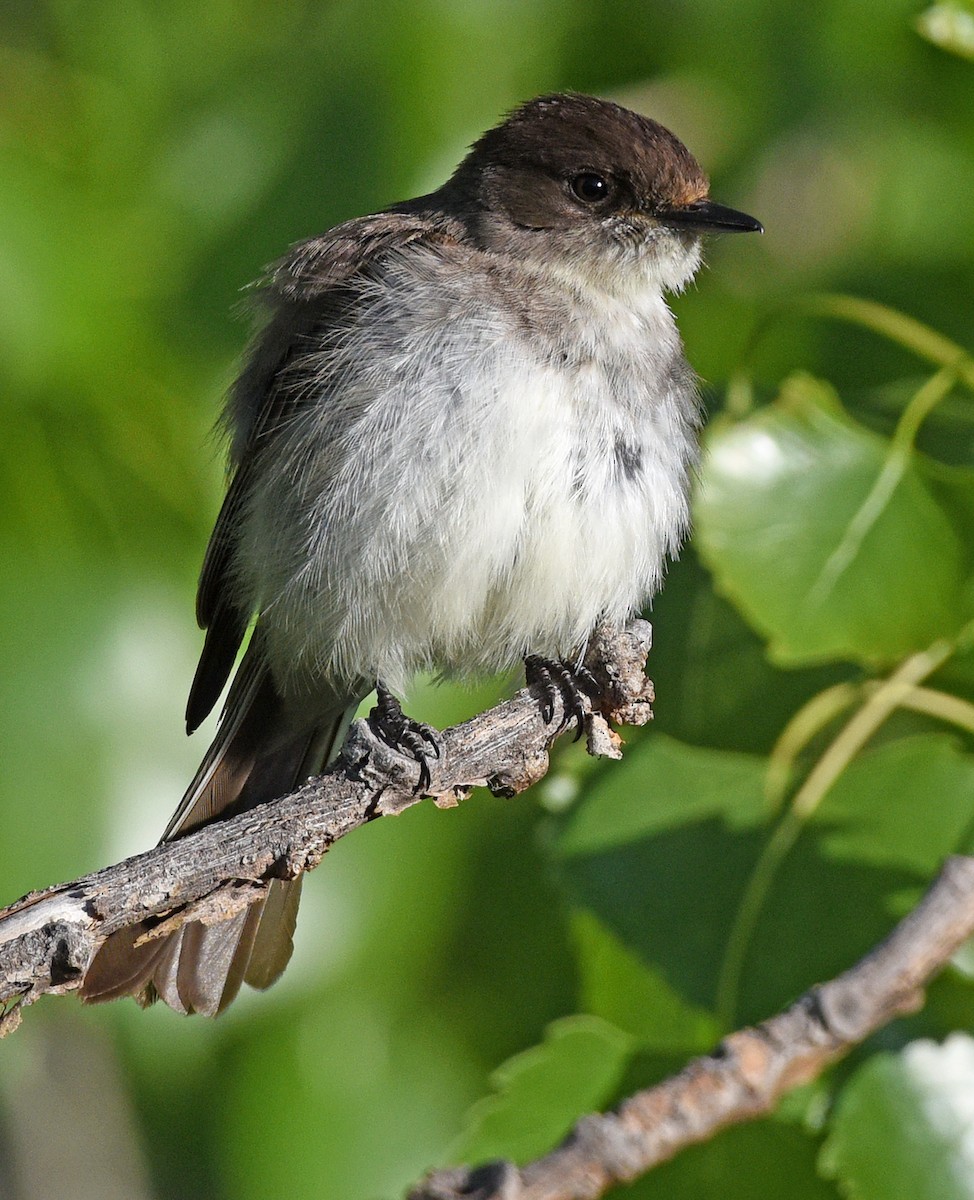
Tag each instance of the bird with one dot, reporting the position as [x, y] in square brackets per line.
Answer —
[463, 437]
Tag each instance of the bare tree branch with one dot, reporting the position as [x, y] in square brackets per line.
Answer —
[48, 938]
[747, 1073]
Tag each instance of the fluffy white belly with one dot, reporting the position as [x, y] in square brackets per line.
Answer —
[486, 501]
[575, 510]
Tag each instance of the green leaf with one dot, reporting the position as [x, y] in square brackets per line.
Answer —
[949, 26]
[906, 804]
[829, 546]
[903, 1126]
[859, 864]
[765, 1161]
[664, 785]
[714, 683]
[617, 985]
[660, 849]
[543, 1091]
[953, 488]
[663, 847]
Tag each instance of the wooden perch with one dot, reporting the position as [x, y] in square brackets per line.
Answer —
[748, 1072]
[48, 938]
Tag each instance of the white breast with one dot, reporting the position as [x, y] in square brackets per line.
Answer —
[484, 495]
[583, 495]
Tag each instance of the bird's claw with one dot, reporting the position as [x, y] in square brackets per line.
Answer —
[574, 684]
[413, 739]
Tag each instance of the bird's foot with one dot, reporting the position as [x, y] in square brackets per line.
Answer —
[413, 739]
[573, 683]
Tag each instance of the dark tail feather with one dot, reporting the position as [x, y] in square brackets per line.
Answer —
[273, 940]
[257, 755]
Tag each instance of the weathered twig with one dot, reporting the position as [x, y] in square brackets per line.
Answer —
[749, 1071]
[48, 938]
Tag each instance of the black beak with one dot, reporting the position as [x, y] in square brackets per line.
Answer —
[709, 217]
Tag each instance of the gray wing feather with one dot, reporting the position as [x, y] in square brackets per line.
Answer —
[306, 292]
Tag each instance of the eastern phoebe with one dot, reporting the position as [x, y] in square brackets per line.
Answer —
[463, 437]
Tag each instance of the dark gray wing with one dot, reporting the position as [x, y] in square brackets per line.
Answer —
[312, 288]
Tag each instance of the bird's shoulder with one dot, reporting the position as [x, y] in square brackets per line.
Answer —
[308, 292]
[329, 263]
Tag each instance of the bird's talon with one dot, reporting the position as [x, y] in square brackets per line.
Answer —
[557, 678]
[412, 739]
[587, 682]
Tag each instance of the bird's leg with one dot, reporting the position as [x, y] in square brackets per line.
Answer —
[414, 739]
[573, 682]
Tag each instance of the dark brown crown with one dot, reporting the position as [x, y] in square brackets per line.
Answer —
[562, 134]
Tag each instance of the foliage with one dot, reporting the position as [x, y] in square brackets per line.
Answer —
[811, 759]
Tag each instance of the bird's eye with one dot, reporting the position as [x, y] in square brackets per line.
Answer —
[590, 187]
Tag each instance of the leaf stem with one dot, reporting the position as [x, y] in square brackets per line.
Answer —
[818, 712]
[877, 707]
[937, 388]
[895, 326]
[942, 705]
[871, 509]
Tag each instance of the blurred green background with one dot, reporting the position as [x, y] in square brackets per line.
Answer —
[153, 157]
